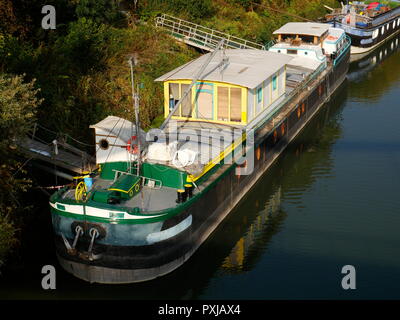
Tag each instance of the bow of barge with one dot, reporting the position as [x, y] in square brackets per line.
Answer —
[157, 197]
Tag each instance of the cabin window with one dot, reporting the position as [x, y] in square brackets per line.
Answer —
[173, 95]
[186, 106]
[205, 102]
[287, 37]
[223, 104]
[292, 51]
[259, 95]
[308, 39]
[227, 105]
[205, 86]
[104, 144]
[267, 93]
[236, 104]
[274, 83]
[176, 91]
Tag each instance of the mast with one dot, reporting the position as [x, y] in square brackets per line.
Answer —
[135, 98]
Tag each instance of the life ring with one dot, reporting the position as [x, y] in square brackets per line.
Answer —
[298, 112]
[283, 129]
[275, 136]
[132, 147]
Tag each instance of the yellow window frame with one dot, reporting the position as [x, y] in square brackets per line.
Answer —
[215, 97]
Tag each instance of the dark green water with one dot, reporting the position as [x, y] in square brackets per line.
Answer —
[331, 200]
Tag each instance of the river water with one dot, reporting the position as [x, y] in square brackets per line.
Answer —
[331, 200]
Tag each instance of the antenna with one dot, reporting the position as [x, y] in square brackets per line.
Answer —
[198, 75]
[133, 61]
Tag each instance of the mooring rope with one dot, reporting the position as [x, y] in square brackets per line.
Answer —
[54, 187]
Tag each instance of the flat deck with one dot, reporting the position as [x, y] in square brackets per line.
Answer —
[148, 199]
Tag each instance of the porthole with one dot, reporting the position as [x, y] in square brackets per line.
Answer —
[104, 144]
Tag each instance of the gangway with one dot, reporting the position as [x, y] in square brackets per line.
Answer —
[56, 152]
[202, 37]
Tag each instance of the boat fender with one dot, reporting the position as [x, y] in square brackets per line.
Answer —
[189, 190]
[182, 196]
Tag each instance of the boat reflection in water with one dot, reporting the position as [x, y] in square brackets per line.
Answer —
[265, 225]
[262, 214]
[366, 63]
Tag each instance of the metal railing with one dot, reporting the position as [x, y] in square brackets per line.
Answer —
[203, 37]
[342, 50]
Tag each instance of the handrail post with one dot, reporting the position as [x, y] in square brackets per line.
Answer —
[34, 131]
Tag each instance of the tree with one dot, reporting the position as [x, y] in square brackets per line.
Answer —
[100, 11]
[18, 104]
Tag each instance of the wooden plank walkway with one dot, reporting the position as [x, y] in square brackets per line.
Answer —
[67, 157]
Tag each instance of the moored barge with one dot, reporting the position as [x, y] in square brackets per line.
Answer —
[157, 197]
[367, 24]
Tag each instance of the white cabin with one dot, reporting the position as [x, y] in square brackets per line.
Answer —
[315, 41]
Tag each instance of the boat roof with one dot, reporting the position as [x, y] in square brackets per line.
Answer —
[305, 28]
[243, 67]
[118, 127]
[304, 62]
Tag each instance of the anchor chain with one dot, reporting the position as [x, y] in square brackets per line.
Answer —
[71, 249]
[78, 231]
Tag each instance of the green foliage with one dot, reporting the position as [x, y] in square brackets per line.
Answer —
[18, 104]
[16, 56]
[247, 4]
[7, 236]
[83, 48]
[100, 11]
[187, 9]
